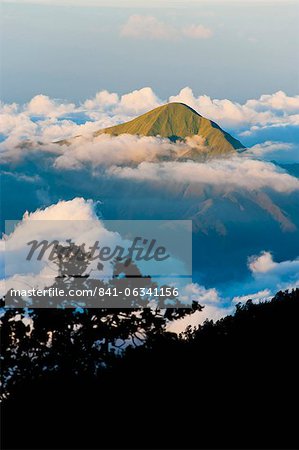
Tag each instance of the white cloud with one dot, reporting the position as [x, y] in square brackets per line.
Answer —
[272, 275]
[278, 151]
[138, 102]
[269, 110]
[256, 297]
[17, 125]
[210, 312]
[76, 209]
[262, 263]
[11, 108]
[103, 100]
[269, 147]
[113, 108]
[124, 150]
[213, 309]
[149, 27]
[235, 172]
[224, 112]
[145, 159]
[74, 219]
[106, 151]
[42, 105]
[279, 101]
[194, 292]
[197, 32]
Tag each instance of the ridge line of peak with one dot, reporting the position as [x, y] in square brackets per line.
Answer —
[171, 104]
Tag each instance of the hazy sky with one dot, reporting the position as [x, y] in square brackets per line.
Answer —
[71, 50]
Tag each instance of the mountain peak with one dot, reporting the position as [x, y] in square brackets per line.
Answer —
[177, 121]
[176, 107]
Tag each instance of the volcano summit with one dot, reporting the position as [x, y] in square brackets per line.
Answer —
[177, 121]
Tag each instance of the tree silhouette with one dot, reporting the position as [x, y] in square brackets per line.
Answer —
[82, 340]
[229, 384]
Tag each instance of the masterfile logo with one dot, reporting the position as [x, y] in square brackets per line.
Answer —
[111, 264]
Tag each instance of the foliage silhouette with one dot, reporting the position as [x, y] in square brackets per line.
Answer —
[229, 384]
[80, 340]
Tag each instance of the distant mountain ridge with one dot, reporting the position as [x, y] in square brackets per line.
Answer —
[177, 121]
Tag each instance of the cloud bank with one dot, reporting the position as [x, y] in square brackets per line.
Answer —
[281, 152]
[49, 119]
[157, 160]
[277, 109]
[236, 172]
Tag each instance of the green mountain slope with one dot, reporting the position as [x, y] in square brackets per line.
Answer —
[176, 121]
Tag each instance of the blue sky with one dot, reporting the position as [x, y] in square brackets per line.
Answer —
[236, 50]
